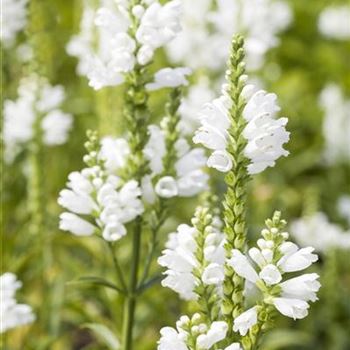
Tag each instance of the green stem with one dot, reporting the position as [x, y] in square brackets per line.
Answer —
[117, 267]
[130, 302]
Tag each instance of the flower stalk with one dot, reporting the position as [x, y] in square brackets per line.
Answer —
[236, 181]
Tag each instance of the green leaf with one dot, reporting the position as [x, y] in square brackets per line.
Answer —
[104, 334]
[94, 280]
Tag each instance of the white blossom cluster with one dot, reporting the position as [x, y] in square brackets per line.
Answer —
[336, 124]
[116, 52]
[180, 259]
[195, 332]
[265, 135]
[98, 192]
[98, 202]
[13, 19]
[35, 113]
[334, 22]
[275, 258]
[320, 232]
[12, 314]
[207, 31]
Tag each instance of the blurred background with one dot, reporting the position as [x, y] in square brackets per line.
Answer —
[307, 65]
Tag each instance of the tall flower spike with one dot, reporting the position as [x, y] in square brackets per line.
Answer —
[236, 180]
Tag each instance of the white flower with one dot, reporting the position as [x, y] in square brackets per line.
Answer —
[270, 274]
[37, 101]
[265, 135]
[216, 333]
[56, 126]
[171, 340]
[169, 77]
[145, 54]
[13, 19]
[336, 124]
[320, 232]
[220, 160]
[245, 321]
[114, 152]
[213, 274]
[76, 225]
[242, 266]
[113, 231]
[297, 261]
[78, 203]
[159, 24]
[166, 187]
[294, 308]
[334, 22]
[303, 287]
[344, 207]
[12, 314]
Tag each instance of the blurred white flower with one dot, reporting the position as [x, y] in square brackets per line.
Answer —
[344, 207]
[169, 77]
[265, 134]
[207, 32]
[336, 124]
[334, 22]
[12, 314]
[37, 101]
[320, 232]
[13, 19]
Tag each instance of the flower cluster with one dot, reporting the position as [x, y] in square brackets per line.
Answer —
[193, 256]
[275, 257]
[188, 179]
[334, 23]
[35, 113]
[192, 333]
[97, 200]
[265, 135]
[207, 32]
[12, 314]
[320, 232]
[118, 51]
[336, 124]
[13, 19]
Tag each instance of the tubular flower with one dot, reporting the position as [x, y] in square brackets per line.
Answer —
[12, 314]
[38, 103]
[185, 269]
[265, 135]
[275, 257]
